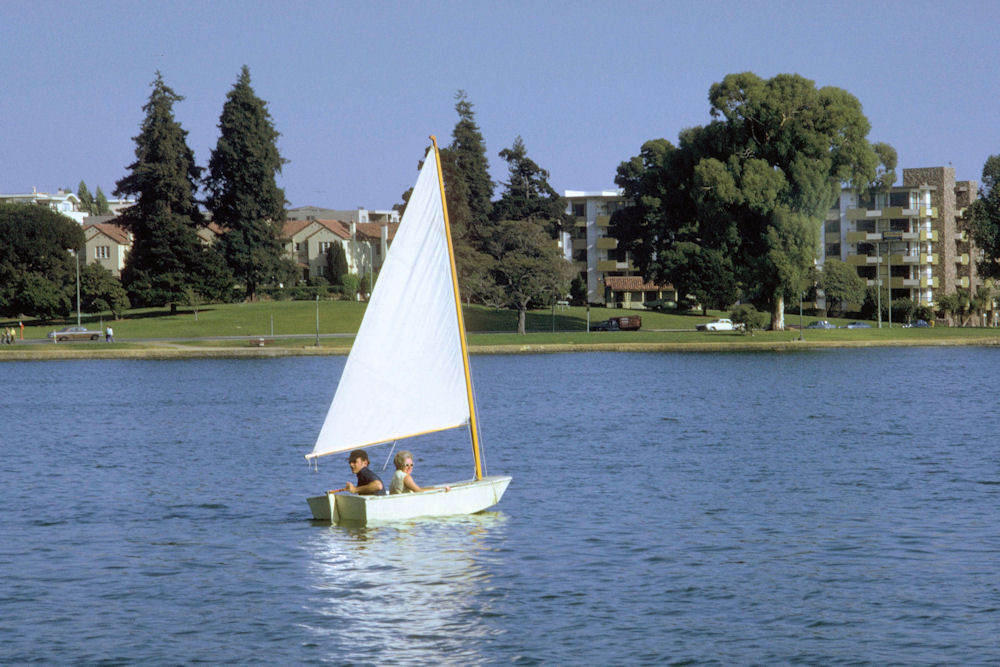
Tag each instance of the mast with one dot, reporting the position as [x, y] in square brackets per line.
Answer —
[473, 425]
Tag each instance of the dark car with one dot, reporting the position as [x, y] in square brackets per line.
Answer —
[607, 325]
[820, 324]
[74, 333]
[917, 324]
[627, 323]
[857, 325]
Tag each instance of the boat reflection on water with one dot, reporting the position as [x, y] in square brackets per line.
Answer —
[413, 592]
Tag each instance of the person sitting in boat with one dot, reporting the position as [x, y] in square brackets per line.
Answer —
[369, 483]
[402, 480]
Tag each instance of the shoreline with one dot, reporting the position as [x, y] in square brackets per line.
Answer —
[165, 352]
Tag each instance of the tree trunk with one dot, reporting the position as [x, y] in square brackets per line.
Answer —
[778, 314]
[521, 316]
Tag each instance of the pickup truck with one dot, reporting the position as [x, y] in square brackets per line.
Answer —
[629, 323]
[719, 325]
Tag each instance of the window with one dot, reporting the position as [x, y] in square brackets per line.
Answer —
[901, 199]
[102, 252]
[325, 245]
[579, 210]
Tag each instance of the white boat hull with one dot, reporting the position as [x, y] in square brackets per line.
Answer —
[466, 497]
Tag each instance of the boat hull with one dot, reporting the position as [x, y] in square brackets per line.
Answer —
[466, 497]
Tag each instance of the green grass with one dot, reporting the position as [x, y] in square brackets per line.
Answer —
[278, 320]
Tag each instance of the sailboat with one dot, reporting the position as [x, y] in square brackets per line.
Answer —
[408, 371]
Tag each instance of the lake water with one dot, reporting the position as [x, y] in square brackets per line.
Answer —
[814, 507]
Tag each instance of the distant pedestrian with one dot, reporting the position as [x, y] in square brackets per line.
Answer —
[109, 335]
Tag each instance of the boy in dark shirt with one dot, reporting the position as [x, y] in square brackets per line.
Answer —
[369, 483]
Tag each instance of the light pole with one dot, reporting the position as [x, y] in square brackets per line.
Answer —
[878, 283]
[801, 296]
[77, 255]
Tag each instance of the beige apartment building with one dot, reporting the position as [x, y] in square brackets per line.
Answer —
[606, 270]
[911, 240]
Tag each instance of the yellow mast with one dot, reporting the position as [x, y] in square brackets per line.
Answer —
[473, 426]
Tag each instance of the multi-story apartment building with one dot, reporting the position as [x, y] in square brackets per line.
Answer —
[910, 240]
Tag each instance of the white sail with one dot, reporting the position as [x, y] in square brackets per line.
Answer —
[405, 374]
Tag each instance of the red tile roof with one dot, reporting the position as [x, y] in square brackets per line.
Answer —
[114, 232]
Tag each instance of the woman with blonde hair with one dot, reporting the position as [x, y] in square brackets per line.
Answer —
[402, 479]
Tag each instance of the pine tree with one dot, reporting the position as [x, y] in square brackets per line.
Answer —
[244, 198]
[529, 195]
[466, 159]
[166, 256]
[86, 200]
[101, 206]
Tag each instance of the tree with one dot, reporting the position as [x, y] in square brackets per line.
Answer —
[467, 177]
[528, 269]
[336, 264]
[101, 291]
[841, 284]
[244, 198]
[702, 274]
[37, 273]
[86, 199]
[528, 195]
[749, 317]
[984, 219]
[753, 184]
[101, 206]
[166, 256]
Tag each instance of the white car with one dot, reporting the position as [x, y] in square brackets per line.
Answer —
[718, 325]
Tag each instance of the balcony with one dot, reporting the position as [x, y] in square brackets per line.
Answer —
[928, 282]
[580, 221]
[929, 236]
[579, 244]
[603, 220]
[891, 212]
[607, 243]
[862, 260]
[962, 259]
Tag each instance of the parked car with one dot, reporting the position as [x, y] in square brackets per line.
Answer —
[74, 333]
[916, 324]
[718, 325]
[820, 324]
[628, 323]
[857, 325]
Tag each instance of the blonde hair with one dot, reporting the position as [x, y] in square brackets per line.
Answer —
[400, 459]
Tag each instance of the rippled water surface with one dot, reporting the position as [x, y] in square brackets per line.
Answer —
[809, 508]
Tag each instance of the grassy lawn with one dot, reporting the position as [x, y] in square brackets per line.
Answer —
[278, 320]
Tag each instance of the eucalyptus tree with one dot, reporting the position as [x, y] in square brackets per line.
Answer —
[983, 216]
[167, 256]
[244, 198]
[753, 184]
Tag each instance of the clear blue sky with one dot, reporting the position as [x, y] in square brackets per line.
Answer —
[354, 88]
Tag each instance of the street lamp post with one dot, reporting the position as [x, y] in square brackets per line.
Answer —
[76, 254]
[801, 297]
